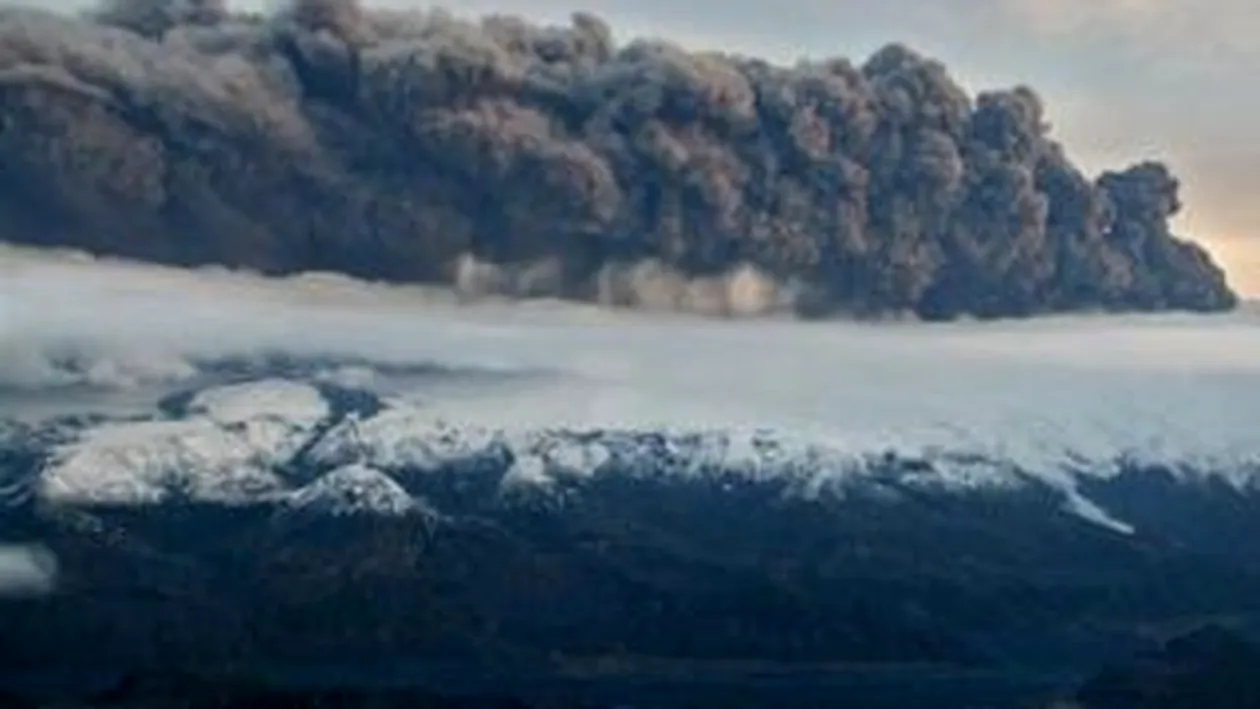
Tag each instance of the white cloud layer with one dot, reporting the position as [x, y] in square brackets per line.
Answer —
[1146, 383]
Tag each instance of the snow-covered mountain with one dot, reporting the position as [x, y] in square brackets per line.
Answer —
[383, 513]
[277, 440]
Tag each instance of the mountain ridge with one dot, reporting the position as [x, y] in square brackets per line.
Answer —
[252, 441]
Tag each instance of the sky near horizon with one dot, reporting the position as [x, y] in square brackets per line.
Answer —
[1123, 80]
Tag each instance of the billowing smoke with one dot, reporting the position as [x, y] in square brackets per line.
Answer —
[540, 160]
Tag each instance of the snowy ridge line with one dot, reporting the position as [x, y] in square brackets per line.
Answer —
[354, 490]
[411, 441]
[284, 442]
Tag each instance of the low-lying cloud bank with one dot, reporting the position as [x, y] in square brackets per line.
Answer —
[529, 160]
[122, 334]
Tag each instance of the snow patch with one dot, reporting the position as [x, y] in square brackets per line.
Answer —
[26, 570]
[1087, 510]
[159, 461]
[226, 451]
[354, 490]
[401, 437]
[527, 471]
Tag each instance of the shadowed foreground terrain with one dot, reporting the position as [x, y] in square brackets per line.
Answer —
[191, 692]
[529, 160]
[1210, 667]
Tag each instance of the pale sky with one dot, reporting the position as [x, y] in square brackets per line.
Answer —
[1123, 80]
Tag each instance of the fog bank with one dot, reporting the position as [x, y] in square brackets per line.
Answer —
[113, 334]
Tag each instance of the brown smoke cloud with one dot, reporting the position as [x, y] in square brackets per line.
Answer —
[548, 160]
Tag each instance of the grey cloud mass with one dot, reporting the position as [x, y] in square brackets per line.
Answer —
[1123, 79]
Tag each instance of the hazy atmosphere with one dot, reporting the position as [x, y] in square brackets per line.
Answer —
[1124, 80]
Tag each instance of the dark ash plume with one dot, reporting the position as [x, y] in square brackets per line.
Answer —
[548, 160]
